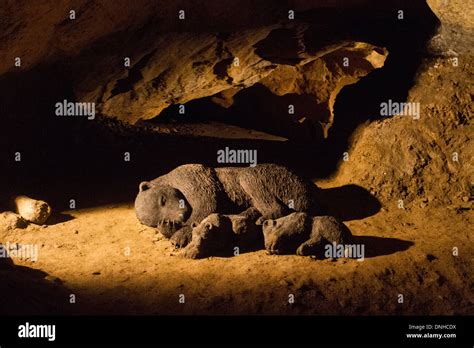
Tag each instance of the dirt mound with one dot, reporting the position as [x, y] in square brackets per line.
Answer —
[425, 161]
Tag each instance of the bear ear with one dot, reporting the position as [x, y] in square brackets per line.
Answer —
[209, 226]
[144, 185]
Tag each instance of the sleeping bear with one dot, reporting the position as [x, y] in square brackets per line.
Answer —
[190, 193]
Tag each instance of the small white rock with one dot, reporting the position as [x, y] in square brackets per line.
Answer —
[32, 210]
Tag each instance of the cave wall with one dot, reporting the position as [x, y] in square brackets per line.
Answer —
[175, 61]
[427, 161]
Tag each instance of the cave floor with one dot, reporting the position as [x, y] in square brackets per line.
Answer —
[114, 265]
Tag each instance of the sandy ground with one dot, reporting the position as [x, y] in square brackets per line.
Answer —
[112, 265]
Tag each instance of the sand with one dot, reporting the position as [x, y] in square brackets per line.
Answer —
[114, 265]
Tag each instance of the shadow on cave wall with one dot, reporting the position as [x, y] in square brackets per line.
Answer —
[64, 158]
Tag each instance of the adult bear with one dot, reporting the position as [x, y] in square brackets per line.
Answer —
[185, 196]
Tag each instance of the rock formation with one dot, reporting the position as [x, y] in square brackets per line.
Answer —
[135, 64]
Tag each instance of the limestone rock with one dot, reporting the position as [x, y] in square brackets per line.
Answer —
[32, 210]
[454, 12]
[173, 62]
[456, 33]
[169, 75]
[406, 158]
[9, 221]
[323, 78]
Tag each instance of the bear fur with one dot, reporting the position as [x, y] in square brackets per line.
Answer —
[303, 234]
[223, 235]
[190, 193]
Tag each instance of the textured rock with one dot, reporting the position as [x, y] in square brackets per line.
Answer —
[408, 159]
[172, 75]
[42, 31]
[211, 64]
[175, 61]
[323, 78]
[32, 210]
[10, 221]
[456, 34]
[454, 12]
